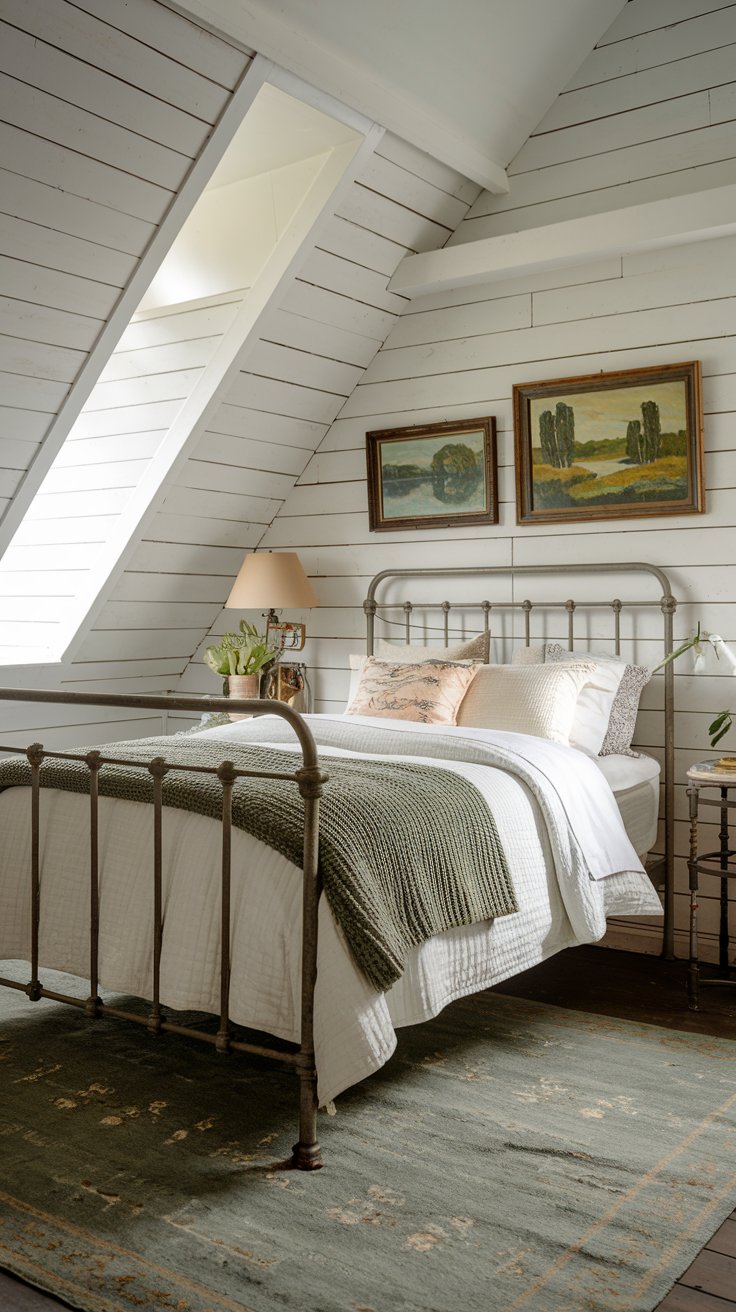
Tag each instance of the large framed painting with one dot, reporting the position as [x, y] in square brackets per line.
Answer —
[610, 446]
[432, 475]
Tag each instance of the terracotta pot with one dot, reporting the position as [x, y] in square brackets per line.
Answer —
[243, 685]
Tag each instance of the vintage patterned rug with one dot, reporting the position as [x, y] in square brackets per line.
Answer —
[511, 1156]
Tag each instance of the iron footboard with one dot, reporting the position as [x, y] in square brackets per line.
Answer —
[309, 780]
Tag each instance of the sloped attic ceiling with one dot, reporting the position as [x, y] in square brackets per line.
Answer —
[303, 362]
[314, 345]
[204, 300]
[465, 82]
[111, 118]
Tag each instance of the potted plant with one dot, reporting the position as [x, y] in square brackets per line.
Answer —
[242, 658]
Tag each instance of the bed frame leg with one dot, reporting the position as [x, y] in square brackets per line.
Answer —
[307, 1154]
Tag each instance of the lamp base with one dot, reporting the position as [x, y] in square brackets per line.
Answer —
[290, 637]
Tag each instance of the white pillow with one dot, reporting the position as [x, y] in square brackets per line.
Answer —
[475, 649]
[534, 699]
[605, 717]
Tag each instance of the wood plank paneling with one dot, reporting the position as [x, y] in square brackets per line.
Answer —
[88, 487]
[103, 110]
[312, 352]
[649, 114]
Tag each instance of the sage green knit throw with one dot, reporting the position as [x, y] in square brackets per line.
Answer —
[406, 850]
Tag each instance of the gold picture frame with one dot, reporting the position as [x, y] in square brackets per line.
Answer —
[432, 475]
[610, 445]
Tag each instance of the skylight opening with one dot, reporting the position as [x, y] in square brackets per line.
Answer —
[91, 500]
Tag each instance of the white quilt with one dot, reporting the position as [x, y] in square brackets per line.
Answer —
[571, 863]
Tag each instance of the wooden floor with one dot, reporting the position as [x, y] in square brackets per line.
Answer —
[633, 987]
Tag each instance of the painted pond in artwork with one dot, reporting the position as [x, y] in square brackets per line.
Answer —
[433, 475]
[616, 446]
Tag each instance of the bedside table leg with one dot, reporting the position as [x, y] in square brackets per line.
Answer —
[723, 924]
[693, 970]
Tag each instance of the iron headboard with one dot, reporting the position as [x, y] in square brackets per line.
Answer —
[667, 605]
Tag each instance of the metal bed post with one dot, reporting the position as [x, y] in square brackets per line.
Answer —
[307, 1155]
[93, 1001]
[35, 756]
[669, 606]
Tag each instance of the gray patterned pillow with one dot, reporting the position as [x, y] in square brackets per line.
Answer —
[622, 723]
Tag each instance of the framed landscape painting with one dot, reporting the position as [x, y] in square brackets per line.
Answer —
[610, 446]
[432, 475]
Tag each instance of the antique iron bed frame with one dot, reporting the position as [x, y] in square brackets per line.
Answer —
[661, 870]
[309, 779]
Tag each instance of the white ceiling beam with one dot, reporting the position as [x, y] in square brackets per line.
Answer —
[263, 299]
[699, 216]
[183, 202]
[351, 83]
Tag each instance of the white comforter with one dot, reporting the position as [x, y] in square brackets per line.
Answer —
[571, 863]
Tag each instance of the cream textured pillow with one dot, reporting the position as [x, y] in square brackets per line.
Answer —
[534, 699]
[605, 719]
[429, 692]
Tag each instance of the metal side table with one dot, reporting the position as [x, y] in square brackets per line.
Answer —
[721, 864]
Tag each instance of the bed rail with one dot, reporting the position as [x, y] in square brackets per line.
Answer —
[309, 780]
[662, 870]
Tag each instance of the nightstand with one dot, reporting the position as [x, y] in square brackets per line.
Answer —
[721, 864]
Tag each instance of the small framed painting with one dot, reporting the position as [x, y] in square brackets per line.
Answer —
[610, 446]
[432, 475]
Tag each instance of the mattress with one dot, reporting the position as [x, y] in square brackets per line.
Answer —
[634, 782]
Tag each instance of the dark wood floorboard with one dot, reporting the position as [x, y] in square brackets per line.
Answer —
[607, 983]
[15, 1296]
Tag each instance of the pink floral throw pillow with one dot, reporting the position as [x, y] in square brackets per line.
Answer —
[429, 692]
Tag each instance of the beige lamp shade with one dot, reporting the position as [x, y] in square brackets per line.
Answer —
[271, 580]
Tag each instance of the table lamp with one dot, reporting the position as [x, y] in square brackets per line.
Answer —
[271, 581]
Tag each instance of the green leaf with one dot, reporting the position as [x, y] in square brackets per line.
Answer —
[679, 651]
[720, 727]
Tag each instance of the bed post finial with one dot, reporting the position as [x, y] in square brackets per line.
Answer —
[369, 607]
[526, 606]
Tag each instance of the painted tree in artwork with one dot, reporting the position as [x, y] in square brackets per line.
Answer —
[652, 430]
[456, 472]
[565, 426]
[635, 442]
[547, 438]
[557, 436]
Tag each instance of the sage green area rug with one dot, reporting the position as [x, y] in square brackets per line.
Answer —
[511, 1156]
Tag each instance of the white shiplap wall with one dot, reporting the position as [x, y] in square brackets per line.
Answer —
[311, 353]
[156, 365]
[104, 108]
[458, 354]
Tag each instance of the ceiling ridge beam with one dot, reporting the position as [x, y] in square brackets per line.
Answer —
[672, 221]
[317, 63]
